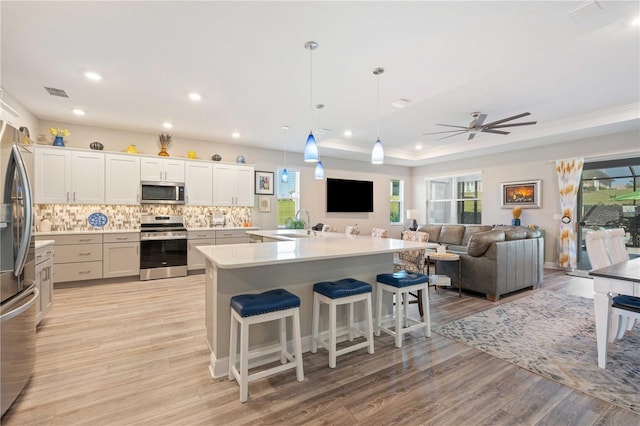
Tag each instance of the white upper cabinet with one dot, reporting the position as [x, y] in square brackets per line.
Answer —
[233, 185]
[122, 179]
[199, 183]
[65, 176]
[161, 169]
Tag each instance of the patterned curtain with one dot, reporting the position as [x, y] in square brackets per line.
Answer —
[569, 175]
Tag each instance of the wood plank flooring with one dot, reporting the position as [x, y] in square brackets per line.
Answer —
[134, 353]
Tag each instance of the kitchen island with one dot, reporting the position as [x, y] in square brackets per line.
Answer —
[295, 265]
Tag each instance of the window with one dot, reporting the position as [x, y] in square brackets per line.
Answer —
[397, 200]
[455, 199]
[288, 196]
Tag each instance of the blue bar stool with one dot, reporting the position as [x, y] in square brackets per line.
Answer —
[401, 284]
[248, 309]
[341, 292]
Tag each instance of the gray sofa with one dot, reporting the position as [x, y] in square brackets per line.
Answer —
[495, 260]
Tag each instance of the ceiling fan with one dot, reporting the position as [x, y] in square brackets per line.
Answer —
[477, 125]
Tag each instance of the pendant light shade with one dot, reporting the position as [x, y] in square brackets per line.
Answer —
[377, 155]
[311, 149]
[319, 174]
[284, 178]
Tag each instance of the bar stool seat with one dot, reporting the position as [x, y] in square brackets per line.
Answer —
[248, 309]
[346, 291]
[401, 284]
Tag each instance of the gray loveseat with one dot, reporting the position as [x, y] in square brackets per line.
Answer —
[495, 260]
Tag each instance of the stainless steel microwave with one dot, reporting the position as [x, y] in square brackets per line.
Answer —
[162, 193]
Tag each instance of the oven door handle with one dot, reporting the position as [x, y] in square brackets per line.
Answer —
[174, 237]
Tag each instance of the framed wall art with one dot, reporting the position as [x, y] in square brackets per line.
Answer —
[264, 204]
[264, 183]
[526, 194]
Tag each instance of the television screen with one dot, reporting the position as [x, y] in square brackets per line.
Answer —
[345, 195]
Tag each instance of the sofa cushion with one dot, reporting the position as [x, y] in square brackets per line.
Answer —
[432, 230]
[481, 241]
[451, 234]
[513, 232]
[472, 229]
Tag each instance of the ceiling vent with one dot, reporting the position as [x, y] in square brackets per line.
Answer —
[56, 92]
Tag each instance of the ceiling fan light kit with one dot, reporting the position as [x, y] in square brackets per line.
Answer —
[477, 125]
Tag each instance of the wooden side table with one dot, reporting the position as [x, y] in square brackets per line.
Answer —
[447, 257]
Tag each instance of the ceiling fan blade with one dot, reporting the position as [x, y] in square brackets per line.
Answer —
[500, 126]
[449, 125]
[479, 120]
[497, 132]
[446, 131]
[471, 136]
[456, 134]
[524, 114]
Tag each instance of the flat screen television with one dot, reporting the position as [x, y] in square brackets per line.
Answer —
[344, 195]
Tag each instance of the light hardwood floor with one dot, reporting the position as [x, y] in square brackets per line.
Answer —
[135, 353]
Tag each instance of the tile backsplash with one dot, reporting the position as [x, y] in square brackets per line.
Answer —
[73, 217]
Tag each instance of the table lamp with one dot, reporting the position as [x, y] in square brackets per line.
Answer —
[413, 215]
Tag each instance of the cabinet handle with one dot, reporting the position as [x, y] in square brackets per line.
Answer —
[84, 239]
[84, 253]
[74, 196]
[160, 175]
[39, 256]
[202, 235]
[67, 195]
[121, 238]
[84, 272]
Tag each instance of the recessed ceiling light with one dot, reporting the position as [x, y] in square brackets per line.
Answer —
[235, 134]
[285, 127]
[400, 103]
[93, 76]
[636, 21]
[418, 147]
[195, 96]
[347, 133]
[167, 125]
[78, 112]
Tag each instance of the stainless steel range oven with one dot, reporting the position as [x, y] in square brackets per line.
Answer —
[163, 247]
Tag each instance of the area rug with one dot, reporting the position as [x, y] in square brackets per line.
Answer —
[554, 335]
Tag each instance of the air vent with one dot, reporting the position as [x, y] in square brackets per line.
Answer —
[56, 92]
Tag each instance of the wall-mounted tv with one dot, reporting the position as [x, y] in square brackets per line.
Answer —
[344, 195]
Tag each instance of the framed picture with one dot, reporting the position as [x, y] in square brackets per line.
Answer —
[525, 194]
[264, 183]
[264, 204]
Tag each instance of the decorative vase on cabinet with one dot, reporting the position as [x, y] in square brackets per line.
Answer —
[58, 141]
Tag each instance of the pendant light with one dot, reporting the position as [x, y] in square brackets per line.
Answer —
[319, 172]
[377, 155]
[311, 147]
[284, 178]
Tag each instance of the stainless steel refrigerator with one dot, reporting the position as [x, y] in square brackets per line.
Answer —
[17, 260]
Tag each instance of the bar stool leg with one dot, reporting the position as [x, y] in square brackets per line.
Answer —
[283, 340]
[244, 361]
[332, 335]
[350, 307]
[233, 346]
[369, 321]
[297, 345]
[379, 294]
[426, 317]
[316, 324]
[399, 317]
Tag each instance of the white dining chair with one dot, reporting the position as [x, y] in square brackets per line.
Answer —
[623, 308]
[596, 243]
[616, 246]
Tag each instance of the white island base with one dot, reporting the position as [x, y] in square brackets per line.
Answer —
[293, 265]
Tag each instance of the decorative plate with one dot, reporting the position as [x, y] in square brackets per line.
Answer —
[97, 220]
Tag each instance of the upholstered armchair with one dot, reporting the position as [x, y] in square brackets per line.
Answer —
[379, 233]
[411, 260]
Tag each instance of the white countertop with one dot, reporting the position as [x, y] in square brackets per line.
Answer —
[42, 243]
[327, 245]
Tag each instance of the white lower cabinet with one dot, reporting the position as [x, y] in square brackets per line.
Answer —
[231, 236]
[78, 257]
[195, 259]
[121, 255]
[44, 280]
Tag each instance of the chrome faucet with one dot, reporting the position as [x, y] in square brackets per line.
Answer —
[307, 223]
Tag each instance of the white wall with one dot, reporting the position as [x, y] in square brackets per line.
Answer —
[534, 163]
[24, 118]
